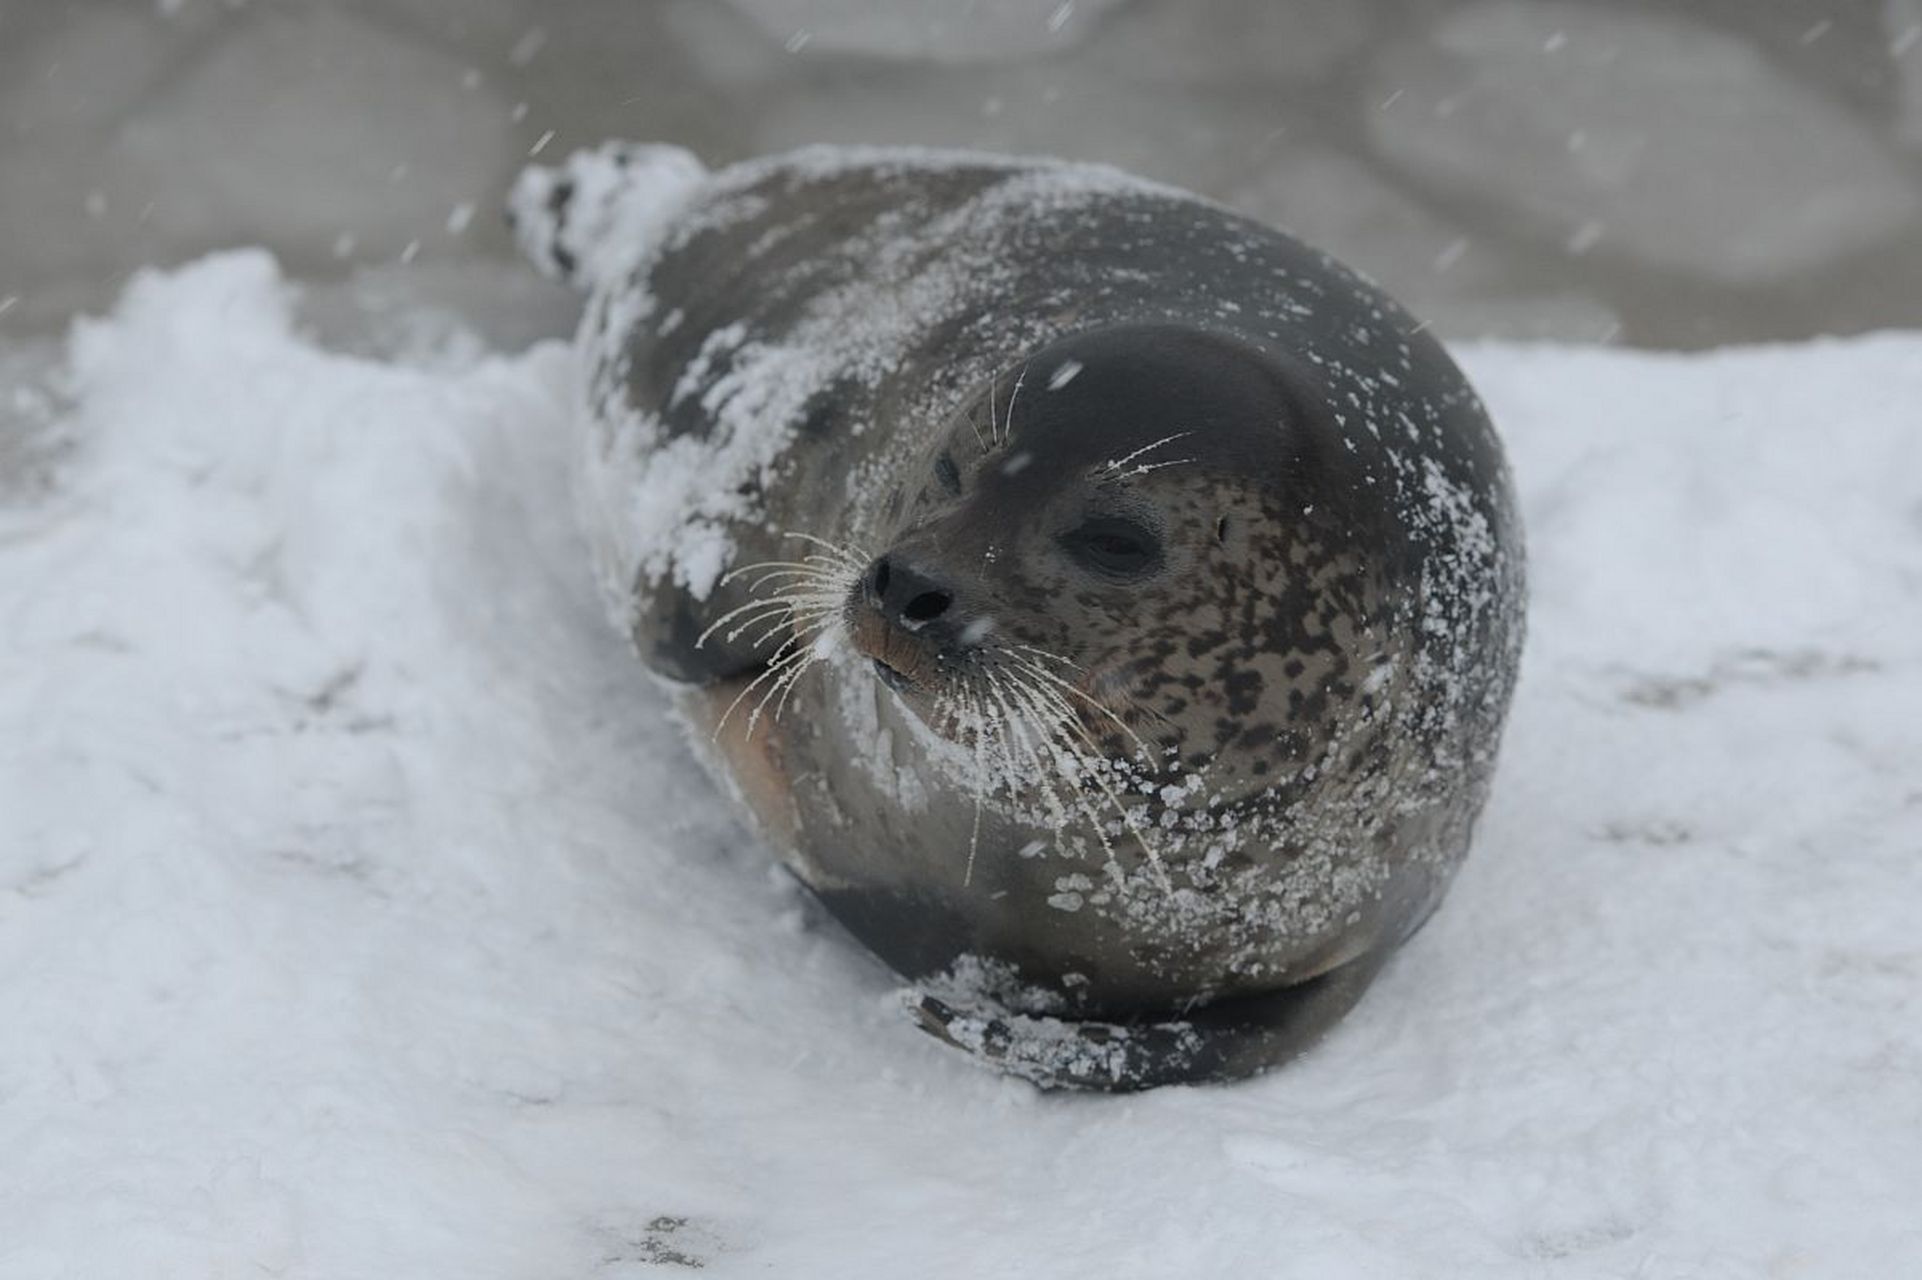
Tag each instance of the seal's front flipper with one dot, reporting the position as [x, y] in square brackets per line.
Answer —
[591, 220]
[1228, 1040]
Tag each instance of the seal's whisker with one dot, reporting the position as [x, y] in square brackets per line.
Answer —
[742, 569]
[1038, 652]
[777, 622]
[999, 738]
[1066, 723]
[805, 612]
[783, 607]
[785, 685]
[786, 671]
[1033, 766]
[1029, 657]
[758, 608]
[804, 572]
[1007, 760]
[798, 596]
[850, 554]
[1094, 768]
[787, 584]
[1008, 416]
[1113, 467]
[782, 656]
[1070, 688]
[816, 565]
[1123, 694]
[1094, 821]
[980, 792]
[801, 622]
[974, 841]
[798, 609]
[975, 427]
[1143, 468]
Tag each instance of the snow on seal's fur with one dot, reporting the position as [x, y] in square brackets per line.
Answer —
[657, 507]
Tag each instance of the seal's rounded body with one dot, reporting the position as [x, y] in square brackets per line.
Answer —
[1108, 605]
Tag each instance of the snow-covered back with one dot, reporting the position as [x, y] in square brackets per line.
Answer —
[363, 914]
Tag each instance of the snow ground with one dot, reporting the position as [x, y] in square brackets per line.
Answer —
[362, 916]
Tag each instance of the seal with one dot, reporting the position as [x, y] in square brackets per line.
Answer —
[1108, 606]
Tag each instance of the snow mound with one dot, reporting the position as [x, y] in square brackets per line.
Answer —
[361, 912]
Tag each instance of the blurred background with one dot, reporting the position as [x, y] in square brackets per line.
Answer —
[1647, 172]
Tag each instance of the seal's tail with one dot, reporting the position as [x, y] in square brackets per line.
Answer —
[593, 218]
[1223, 1041]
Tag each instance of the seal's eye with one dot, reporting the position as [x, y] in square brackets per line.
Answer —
[1114, 547]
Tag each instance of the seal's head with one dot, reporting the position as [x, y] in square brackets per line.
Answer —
[1144, 545]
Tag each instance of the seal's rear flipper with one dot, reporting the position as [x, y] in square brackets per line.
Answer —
[591, 219]
[1224, 1041]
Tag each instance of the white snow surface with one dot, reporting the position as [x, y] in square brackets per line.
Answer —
[362, 913]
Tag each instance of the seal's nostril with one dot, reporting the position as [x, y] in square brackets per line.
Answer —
[906, 595]
[927, 606]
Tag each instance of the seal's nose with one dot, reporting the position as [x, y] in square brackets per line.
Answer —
[906, 595]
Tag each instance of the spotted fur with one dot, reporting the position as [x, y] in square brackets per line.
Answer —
[1270, 748]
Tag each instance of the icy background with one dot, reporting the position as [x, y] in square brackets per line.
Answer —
[361, 915]
[1662, 172]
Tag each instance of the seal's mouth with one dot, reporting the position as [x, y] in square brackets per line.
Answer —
[902, 660]
[895, 680]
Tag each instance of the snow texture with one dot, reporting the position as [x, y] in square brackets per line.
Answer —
[594, 218]
[363, 914]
